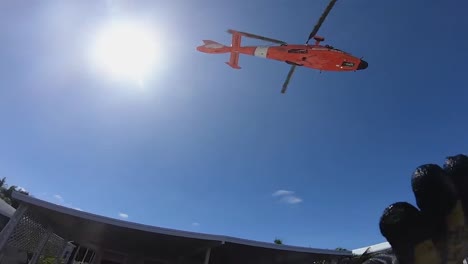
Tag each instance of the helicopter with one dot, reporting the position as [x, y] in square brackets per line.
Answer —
[315, 56]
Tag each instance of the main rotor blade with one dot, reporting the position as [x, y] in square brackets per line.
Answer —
[288, 78]
[250, 35]
[321, 19]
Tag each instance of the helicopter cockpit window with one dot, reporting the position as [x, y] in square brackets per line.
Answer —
[347, 64]
[332, 48]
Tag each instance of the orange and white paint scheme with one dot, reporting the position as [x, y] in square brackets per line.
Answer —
[315, 56]
[324, 58]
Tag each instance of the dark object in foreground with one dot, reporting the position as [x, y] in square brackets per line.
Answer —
[436, 232]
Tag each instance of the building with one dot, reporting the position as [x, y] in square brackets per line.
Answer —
[374, 249]
[381, 248]
[42, 232]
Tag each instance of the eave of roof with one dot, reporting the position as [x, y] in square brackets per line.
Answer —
[31, 201]
[373, 248]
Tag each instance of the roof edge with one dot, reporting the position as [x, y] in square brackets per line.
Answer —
[27, 199]
[108, 220]
[372, 248]
[254, 243]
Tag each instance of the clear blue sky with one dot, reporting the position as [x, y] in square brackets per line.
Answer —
[206, 144]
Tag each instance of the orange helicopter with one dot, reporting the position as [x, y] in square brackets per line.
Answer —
[316, 56]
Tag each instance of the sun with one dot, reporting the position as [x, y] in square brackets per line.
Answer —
[125, 50]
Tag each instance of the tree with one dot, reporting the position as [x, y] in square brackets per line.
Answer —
[2, 182]
[6, 193]
[278, 241]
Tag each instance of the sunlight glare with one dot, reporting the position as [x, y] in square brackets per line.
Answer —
[126, 50]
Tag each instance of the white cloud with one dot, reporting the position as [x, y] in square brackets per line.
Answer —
[58, 197]
[195, 224]
[123, 215]
[61, 201]
[21, 189]
[287, 197]
[291, 199]
[282, 193]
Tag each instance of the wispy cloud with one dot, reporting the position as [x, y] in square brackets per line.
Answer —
[59, 198]
[123, 215]
[287, 197]
[195, 224]
[291, 199]
[282, 193]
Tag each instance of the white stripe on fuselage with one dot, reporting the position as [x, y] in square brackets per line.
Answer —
[261, 52]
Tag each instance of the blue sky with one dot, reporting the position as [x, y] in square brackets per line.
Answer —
[204, 147]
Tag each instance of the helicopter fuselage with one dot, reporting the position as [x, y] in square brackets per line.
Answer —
[324, 58]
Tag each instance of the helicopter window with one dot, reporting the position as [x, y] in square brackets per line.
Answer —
[332, 48]
[297, 51]
[347, 64]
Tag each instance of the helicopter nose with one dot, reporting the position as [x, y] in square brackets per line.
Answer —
[363, 65]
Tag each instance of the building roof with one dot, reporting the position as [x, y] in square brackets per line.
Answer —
[373, 249]
[124, 236]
